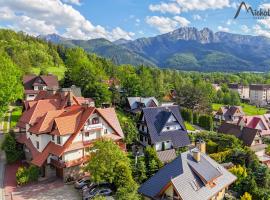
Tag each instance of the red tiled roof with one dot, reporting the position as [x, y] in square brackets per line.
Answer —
[51, 148]
[38, 110]
[45, 124]
[110, 117]
[67, 122]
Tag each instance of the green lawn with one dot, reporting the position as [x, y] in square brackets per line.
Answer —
[58, 71]
[248, 109]
[15, 115]
[189, 126]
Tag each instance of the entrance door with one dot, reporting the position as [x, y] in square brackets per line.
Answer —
[59, 172]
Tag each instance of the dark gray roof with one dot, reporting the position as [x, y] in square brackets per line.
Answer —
[259, 86]
[74, 89]
[207, 171]
[155, 184]
[156, 118]
[167, 155]
[187, 182]
[245, 134]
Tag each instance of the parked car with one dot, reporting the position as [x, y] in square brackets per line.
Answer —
[82, 182]
[97, 191]
[87, 188]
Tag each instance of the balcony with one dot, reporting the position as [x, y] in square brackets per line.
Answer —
[92, 127]
[57, 163]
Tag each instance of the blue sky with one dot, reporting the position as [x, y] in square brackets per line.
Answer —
[129, 19]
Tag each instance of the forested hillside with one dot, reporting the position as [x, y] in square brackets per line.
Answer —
[21, 54]
[186, 48]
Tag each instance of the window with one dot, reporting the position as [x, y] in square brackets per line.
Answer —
[30, 133]
[37, 145]
[105, 131]
[95, 120]
[58, 140]
[86, 134]
[168, 128]
[141, 138]
[52, 137]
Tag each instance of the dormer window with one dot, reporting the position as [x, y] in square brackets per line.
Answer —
[95, 120]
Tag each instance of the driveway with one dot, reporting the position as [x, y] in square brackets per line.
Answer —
[53, 190]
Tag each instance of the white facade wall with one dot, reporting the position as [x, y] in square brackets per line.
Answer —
[171, 128]
[73, 155]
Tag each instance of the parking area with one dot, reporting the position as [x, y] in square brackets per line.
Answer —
[53, 190]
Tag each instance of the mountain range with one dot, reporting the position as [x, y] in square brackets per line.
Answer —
[186, 48]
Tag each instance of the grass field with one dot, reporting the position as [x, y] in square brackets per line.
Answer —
[189, 126]
[15, 115]
[248, 109]
[58, 71]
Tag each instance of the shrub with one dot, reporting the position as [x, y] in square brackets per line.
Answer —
[25, 175]
[22, 176]
[246, 196]
[211, 147]
[9, 146]
[221, 157]
[33, 173]
[187, 115]
[196, 118]
[206, 121]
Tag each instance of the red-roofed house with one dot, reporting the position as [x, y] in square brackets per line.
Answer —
[57, 139]
[33, 84]
[259, 122]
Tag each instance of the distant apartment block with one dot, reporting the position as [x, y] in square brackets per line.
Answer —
[242, 90]
[259, 94]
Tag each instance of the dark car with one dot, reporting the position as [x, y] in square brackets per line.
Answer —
[97, 192]
[79, 184]
[89, 187]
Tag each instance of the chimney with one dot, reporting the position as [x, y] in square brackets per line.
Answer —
[196, 155]
[201, 145]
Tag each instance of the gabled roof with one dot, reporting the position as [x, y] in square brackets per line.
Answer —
[68, 121]
[245, 134]
[167, 155]
[157, 117]
[38, 110]
[228, 111]
[110, 117]
[50, 80]
[186, 181]
[133, 101]
[45, 124]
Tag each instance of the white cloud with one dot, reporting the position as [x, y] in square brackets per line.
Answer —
[43, 17]
[138, 20]
[223, 29]
[75, 2]
[245, 28]
[186, 5]
[165, 8]
[165, 24]
[260, 31]
[196, 17]
[118, 33]
[181, 21]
